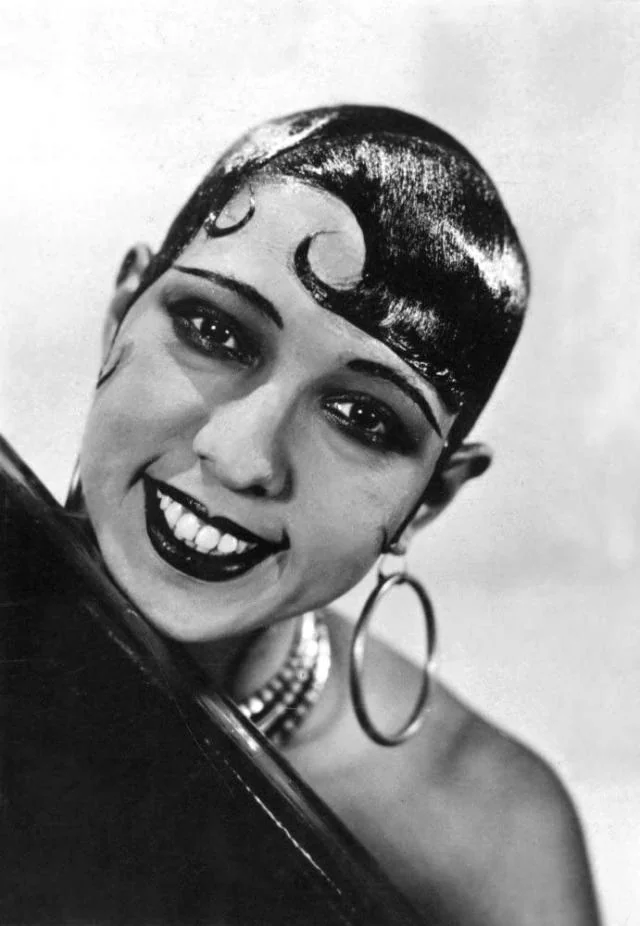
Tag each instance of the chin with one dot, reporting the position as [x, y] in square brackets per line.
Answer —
[188, 625]
[195, 610]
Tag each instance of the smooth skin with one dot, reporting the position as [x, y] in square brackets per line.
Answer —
[265, 409]
[472, 826]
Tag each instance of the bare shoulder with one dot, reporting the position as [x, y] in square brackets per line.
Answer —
[471, 824]
[529, 856]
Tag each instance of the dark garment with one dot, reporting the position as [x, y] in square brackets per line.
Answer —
[126, 799]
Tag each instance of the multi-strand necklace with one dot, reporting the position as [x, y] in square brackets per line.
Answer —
[279, 706]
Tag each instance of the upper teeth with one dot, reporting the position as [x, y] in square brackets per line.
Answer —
[188, 527]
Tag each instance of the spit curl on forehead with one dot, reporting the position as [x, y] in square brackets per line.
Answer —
[334, 254]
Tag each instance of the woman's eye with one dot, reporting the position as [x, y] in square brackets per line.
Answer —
[214, 332]
[211, 332]
[368, 421]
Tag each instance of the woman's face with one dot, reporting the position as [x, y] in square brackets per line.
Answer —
[248, 452]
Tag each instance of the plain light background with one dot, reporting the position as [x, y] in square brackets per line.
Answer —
[112, 111]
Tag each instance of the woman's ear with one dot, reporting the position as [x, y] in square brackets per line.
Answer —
[135, 262]
[467, 462]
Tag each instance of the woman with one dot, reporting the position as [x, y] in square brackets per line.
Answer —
[284, 398]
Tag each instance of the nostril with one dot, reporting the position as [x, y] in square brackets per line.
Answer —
[244, 473]
[244, 452]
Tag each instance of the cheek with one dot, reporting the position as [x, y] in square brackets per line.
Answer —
[349, 511]
[146, 405]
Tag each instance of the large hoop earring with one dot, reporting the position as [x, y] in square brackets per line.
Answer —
[386, 582]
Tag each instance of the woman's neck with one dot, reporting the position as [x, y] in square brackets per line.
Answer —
[240, 665]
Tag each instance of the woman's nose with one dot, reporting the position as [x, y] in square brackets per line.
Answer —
[243, 444]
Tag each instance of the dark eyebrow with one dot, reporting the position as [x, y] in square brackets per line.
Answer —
[235, 286]
[361, 365]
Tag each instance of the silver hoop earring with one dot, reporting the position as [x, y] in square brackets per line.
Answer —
[357, 655]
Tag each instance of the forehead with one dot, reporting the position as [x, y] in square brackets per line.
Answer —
[270, 218]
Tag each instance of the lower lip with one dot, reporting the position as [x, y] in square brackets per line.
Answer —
[192, 563]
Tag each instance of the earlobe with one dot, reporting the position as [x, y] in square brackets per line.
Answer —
[128, 279]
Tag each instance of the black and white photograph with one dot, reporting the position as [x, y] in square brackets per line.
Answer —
[319, 455]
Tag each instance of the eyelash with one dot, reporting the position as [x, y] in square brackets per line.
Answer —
[395, 436]
[184, 315]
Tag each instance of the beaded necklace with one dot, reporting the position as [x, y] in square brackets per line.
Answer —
[281, 705]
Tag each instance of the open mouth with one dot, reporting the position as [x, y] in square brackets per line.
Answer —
[183, 533]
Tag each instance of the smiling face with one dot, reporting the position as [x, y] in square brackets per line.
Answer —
[249, 452]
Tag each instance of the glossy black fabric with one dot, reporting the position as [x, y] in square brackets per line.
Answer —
[124, 798]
